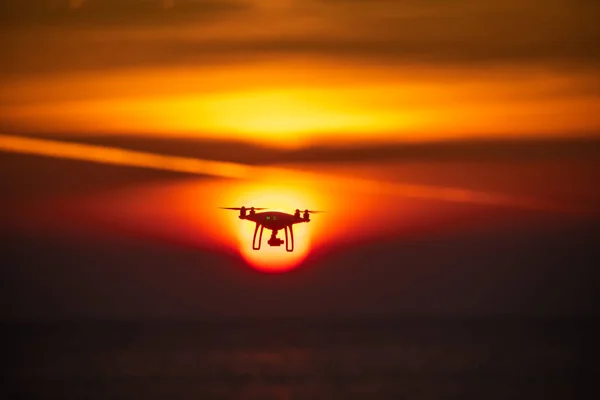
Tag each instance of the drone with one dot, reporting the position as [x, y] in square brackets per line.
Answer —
[275, 221]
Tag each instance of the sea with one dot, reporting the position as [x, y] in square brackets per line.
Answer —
[487, 358]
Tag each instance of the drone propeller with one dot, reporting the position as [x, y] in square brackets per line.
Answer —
[310, 211]
[240, 208]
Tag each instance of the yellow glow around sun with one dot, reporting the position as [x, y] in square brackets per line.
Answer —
[293, 104]
[286, 114]
[284, 118]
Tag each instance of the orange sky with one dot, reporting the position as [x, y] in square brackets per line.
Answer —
[102, 186]
[365, 201]
[292, 73]
[357, 209]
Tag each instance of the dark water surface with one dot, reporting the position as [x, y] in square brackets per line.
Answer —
[413, 358]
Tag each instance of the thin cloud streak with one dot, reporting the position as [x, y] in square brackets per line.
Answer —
[117, 156]
[188, 165]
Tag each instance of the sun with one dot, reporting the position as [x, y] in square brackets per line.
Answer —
[279, 197]
[189, 212]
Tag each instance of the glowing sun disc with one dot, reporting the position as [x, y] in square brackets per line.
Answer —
[277, 197]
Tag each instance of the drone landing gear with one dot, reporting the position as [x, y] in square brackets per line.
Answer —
[273, 240]
[287, 242]
[254, 245]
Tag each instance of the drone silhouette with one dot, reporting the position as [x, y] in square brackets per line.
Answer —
[275, 221]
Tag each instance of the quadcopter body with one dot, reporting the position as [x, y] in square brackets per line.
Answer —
[273, 221]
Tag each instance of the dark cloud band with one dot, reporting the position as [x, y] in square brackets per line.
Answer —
[468, 33]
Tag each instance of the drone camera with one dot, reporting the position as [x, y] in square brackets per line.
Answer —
[275, 242]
